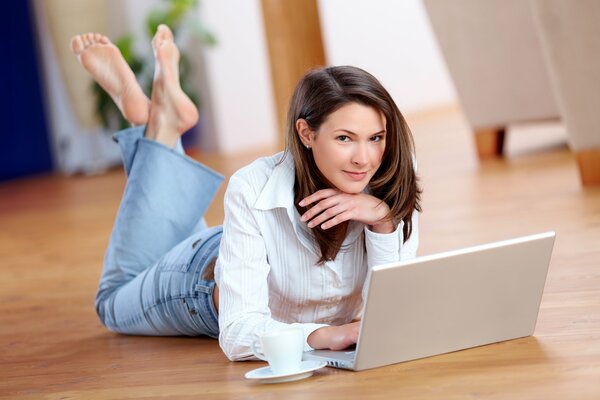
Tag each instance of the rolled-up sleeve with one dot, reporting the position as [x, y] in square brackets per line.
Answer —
[409, 248]
[242, 277]
[385, 248]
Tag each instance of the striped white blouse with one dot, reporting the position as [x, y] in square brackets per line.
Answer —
[267, 269]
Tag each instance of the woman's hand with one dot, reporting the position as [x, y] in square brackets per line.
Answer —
[334, 337]
[334, 206]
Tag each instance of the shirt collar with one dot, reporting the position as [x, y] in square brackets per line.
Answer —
[278, 192]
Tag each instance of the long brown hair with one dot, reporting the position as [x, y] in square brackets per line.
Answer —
[318, 94]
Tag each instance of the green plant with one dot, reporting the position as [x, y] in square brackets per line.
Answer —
[177, 15]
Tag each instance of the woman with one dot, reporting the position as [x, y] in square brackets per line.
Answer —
[301, 228]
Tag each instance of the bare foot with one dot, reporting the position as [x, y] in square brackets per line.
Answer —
[171, 111]
[104, 62]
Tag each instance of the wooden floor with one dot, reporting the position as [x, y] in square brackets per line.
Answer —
[53, 232]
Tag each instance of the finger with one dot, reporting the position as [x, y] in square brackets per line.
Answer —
[338, 219]
[318, 195]
[326, 215]
[319, 207]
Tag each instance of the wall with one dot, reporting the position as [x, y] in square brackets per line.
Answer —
[238, 77]
[25, 142]
[394, 41]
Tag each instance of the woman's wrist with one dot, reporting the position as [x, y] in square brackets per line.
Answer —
[383, 227]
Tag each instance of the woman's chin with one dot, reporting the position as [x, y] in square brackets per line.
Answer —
[352, 188]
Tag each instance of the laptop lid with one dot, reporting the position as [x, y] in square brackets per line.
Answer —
[454, 300]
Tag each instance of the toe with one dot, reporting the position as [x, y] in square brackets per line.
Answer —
[77, 44]
[167, 34]
[89, 37]
[163, 32]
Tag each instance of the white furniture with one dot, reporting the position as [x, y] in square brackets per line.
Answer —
[515, 61]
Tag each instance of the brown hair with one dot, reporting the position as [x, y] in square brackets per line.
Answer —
[318, 94]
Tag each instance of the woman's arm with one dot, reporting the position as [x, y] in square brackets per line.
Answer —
[384, 240]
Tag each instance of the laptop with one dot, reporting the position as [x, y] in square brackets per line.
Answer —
[447, 302]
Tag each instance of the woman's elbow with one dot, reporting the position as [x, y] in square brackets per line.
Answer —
[234, 351]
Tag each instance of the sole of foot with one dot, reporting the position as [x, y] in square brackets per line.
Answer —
[104, 62]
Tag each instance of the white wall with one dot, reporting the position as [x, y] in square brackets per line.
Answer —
[238, 77]
[392, 39]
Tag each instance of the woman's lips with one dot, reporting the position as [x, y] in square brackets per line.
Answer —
[356, 176]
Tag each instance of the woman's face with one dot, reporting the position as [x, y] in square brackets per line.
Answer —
[348, 147]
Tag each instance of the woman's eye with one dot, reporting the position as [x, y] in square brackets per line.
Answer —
[343, 138]
[377, 138]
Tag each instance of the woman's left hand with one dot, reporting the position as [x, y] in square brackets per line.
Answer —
[333, 206]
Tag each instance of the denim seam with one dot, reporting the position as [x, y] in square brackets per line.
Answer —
[183, 267]
[213, 310]
[212, 244]
[209, 319]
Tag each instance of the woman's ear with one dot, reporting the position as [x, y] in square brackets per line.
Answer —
[306, 134]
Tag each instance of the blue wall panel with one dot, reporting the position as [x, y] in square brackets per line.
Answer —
[24, 145]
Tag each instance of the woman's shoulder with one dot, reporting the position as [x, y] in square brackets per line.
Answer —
[260, 168]
[256, 174]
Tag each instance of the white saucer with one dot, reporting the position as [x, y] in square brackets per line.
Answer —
[265, 375]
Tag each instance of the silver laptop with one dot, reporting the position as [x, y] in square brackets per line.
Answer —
[449, 301]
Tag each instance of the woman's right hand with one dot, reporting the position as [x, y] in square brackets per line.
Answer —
[334, 337]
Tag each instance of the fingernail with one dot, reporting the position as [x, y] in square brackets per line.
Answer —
[301, 204]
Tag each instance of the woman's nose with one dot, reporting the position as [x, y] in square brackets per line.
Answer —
[360, 156]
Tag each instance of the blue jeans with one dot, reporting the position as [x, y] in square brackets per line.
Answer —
[153, 280]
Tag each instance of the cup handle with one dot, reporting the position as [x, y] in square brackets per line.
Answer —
[257, 353]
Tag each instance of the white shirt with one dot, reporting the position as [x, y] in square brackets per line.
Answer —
[267, 269]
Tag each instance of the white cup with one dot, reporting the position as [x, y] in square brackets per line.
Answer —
[282, 349]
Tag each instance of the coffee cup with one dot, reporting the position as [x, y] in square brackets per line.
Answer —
[282, 349]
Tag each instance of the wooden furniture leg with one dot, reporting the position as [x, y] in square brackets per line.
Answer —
[490, 142]
[588, 162]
